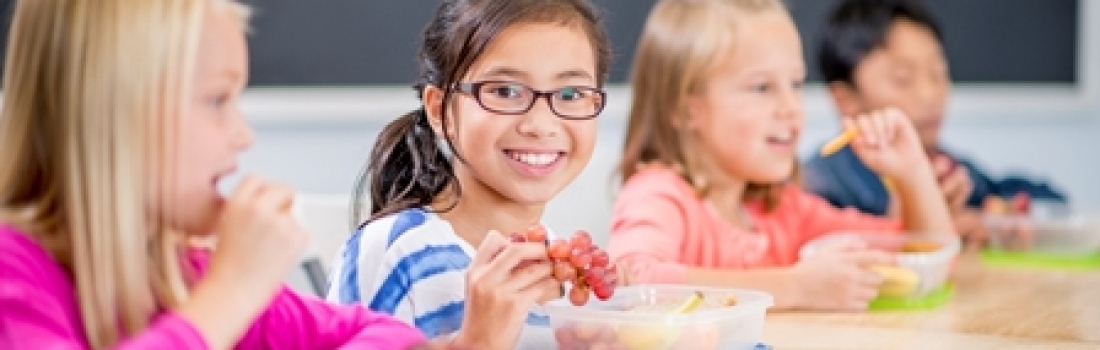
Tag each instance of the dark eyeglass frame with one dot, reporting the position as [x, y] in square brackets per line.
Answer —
[474, 89]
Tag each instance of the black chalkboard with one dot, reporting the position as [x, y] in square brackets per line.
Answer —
[360, 42]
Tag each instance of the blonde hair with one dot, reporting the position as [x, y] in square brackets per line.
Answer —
[681, 45]
[91, 91]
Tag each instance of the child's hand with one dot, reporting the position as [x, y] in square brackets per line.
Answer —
[838, 279]
[971, 226]
[888, 144]
[259, 240]
[500, 292]
[954, 181]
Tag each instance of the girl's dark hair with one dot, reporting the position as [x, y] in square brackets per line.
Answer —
[409, 166]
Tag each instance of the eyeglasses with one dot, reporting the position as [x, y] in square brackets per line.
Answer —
[503, 97]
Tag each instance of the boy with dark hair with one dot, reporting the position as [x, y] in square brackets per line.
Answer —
[877, 54]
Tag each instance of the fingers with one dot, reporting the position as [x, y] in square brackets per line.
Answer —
[491, 245]
[529, 278]
[943, 165]
[956, 187]
[549, 289]
[498, 261]
[516, 253]
[861, 298]
[872, 257]
[265, 195]
[881, 123]
[868, 132]
[848, 246]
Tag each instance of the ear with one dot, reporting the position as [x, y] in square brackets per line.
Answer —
[846, 98]
[688, 117]
[433, 106]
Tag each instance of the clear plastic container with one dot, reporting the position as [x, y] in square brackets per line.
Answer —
[932, 267]
[639, 318]
[1068, 234]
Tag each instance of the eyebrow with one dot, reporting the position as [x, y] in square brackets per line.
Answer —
[506, 72]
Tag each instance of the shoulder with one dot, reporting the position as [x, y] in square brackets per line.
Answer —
[412, 239]
[21, 256]
[407, 229]
[27, 270]
[655, 182]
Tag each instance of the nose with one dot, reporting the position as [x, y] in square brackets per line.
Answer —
[540, 121]
[930, 91]
[242, 135]
[790, 103]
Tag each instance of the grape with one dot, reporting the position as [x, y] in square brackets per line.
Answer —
[603, 291]
[581, 239]
[580, 259]
[594, 276]
[536, 233]
[600, 259]
[579, 295]
[585, 266]
[563, 271]
[559, 249]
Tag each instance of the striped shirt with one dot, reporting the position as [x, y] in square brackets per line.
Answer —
[413, 265]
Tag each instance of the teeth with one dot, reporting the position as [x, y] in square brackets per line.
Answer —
[784, 138]
[535, 159]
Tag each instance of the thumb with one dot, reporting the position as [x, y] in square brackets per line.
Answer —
[490, 246]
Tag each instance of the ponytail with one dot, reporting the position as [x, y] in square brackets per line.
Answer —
[407, 168]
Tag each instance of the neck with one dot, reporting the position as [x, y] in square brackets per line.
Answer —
[727, 196]
[481, 209]
[724, 191]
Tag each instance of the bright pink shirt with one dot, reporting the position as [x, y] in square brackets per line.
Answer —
[661, 227]
[38, 311]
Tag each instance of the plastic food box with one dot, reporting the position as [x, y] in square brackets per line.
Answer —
[929, 256]
[641, 317]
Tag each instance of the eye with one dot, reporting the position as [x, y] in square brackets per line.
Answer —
[761, 88]
[506, 91]
[571, 94]
[799, 84]
[218, 100]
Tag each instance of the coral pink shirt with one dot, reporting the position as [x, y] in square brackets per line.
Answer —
[661, 227]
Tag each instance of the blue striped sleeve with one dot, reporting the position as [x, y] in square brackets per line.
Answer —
[446, 319]
[413, 268]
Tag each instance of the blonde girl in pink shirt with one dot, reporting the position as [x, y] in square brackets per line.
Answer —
[119, 119]
[710, 160]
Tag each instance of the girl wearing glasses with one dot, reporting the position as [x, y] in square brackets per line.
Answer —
[510, 91]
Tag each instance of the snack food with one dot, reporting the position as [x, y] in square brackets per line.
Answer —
[645, 337]
[918, 245]
[896, 281]
[585, 267]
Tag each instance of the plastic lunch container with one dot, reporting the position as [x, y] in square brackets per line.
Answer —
[640, 317]
[1066, 234]
[932, 267]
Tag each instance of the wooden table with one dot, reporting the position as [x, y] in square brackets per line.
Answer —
[993, 307]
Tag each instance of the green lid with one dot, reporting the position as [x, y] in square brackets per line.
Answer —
[1042, 260]
[932, 300]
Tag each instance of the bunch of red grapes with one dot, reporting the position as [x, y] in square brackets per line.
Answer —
[586, 267]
